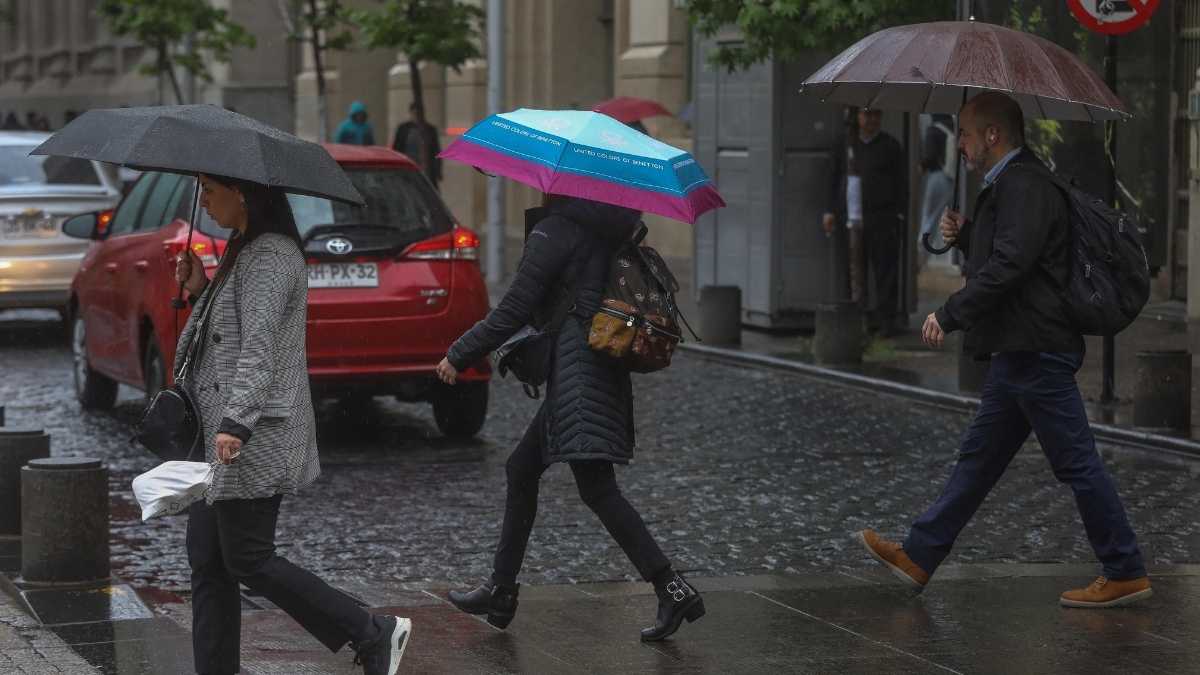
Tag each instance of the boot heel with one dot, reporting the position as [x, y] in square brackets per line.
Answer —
[500, 621]
[695, 612]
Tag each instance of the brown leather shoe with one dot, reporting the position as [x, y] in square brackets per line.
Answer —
[1108, 593]
[893, 555]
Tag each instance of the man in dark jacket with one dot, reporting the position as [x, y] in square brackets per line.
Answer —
[418, 139]
[1018, 257]
[869, 192]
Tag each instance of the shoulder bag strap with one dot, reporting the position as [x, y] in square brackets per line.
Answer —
[201, 332]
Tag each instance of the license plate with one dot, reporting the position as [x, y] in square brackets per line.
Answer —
[29, 228]
[343, 275]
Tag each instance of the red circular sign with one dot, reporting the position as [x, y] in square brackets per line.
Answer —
[1113, 17]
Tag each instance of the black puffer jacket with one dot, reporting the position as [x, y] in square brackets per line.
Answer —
[588, 411]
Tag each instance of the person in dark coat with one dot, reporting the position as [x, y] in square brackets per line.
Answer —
[869, 193]
[418, 139]
[586, 419]
[1012, 309]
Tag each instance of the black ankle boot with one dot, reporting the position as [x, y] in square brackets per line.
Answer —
[677, 600]
[498, 602]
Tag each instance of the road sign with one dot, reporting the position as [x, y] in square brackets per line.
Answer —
[1113, 17]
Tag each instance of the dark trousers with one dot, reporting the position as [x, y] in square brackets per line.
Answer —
[1024, 391]
[881, 241]
[597, 484]
[233, 541]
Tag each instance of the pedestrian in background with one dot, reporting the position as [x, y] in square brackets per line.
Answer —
[418, 139]
[869, 192]
[355, 129]
[250, 387]
[586, 419]
[939, 162]
[1018, 259]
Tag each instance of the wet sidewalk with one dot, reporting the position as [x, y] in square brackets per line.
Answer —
[971, 619]
[905, 362]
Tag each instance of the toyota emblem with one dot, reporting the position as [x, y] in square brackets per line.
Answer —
[339, 246]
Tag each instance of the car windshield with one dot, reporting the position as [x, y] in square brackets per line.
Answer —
[399, 200]
[18, 169]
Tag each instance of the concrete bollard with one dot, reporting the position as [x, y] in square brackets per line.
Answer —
[721, 315]
[64, 520]
[838, 339]
[1163, 392]
[17, 447]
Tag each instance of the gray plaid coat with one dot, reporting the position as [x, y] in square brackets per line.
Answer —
[251, 378]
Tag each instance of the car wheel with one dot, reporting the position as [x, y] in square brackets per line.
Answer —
[154, 370]
[94, 391]
[460, 410]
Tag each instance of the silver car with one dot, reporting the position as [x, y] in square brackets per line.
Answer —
[38, 261]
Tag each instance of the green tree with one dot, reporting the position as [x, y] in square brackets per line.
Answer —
[163, 25]
[325, 25]
[444, 32]
[786, 29]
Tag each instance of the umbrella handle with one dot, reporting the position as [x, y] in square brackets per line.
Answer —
[931, 248]
[177, 302]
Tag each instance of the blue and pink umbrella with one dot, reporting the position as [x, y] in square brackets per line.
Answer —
[590, 155]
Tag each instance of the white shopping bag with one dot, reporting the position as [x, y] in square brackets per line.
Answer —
[171, 487]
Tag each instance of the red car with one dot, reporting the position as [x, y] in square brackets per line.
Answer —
[391, 286]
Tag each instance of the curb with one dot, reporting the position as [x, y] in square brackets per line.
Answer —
[1106, 432]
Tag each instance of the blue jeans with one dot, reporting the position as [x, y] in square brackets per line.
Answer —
[1030, 391]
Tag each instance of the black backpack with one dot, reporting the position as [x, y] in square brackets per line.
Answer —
[1109, 282]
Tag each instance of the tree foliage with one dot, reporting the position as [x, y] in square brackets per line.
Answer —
[445, 32]
[163, 25]
[786, 29]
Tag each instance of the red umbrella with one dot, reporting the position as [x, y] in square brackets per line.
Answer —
[629, 109]
[934, 67]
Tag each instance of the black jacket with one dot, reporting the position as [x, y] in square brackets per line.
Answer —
[884, 171]
[1018, 256]
[434, 147]
[588, 411]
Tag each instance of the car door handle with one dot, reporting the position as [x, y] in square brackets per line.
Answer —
[111, 268]
[141, 265]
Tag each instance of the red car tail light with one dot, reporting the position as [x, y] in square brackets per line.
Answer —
[457, 244]
[204, 250]
[103, 220]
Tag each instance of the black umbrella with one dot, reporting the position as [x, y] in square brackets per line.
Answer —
[195, 139]
[202, 139]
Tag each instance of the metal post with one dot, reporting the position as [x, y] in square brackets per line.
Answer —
[1108, 388]
[495, 100]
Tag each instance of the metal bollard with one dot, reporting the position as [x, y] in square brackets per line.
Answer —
[1163, 392]
[839, 333]
[64, 520]
[17, 447]
[1, 415]
[721, 315]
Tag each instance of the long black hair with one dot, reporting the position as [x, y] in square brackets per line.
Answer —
[267, 210]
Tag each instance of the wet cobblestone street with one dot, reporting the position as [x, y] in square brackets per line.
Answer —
[739, 471]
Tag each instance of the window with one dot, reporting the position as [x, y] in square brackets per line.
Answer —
[160, 205]
[401, 200]
[127, 213]
[17, 168]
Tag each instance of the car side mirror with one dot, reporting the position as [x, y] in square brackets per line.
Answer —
[82, 226]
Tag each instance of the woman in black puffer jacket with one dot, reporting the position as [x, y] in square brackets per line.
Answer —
[586, 419]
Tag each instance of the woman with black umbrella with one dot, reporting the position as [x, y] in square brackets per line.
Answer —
[251, 391]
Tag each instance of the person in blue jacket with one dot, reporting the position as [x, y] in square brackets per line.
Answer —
[355, 130]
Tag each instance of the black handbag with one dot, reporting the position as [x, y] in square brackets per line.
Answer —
[170, 426]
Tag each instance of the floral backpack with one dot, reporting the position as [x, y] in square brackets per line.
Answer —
[638, 320]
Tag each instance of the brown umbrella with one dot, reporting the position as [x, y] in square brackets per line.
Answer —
[935, 67]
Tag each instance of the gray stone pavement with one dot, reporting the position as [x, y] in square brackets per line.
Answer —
[27, 647]
[740, 472]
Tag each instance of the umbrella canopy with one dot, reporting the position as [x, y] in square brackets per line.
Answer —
[590, 155]
[934, 67]
[630, 109]
[195, 139]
